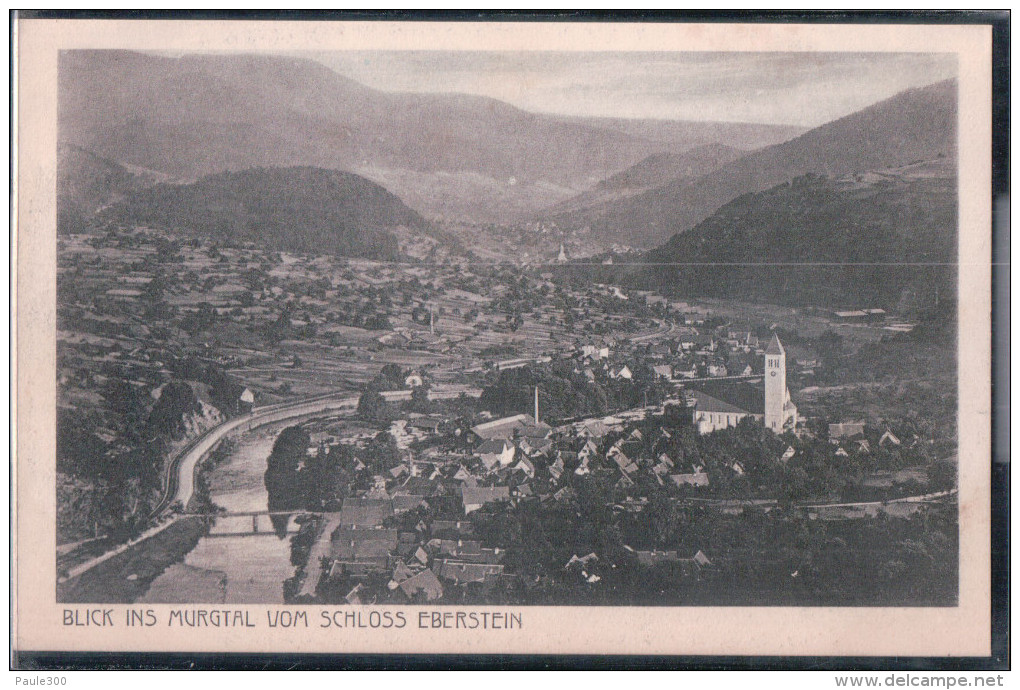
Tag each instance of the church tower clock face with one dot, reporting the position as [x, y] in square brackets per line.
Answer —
[773, 373]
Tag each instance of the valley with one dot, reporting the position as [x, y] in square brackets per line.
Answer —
[323, 343]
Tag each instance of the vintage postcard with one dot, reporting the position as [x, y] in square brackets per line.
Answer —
[502, 337]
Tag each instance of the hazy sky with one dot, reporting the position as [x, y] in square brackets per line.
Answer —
[806, 89]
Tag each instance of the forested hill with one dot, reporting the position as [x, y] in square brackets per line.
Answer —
[914, 125]
[650, 173]
[299, 209]
[87, 182]
[863, 239]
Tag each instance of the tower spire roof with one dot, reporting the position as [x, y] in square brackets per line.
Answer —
[775, 347]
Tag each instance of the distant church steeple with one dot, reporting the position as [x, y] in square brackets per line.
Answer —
[776, 394]
[562, 258]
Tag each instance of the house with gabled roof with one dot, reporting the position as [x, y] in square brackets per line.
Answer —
[593, 429]
[584, 467]
[582, 560]
[424, 584]
[626, 465]
[623, 372]
[365, 512]
[508, 427]
[888, 438]
[845, 430]
[526, 466]
[405, 502]
[587, 449]
[362, 551]
[460, 572]
[476, 497]
[496, 453]
[556, 469]
[663, 371]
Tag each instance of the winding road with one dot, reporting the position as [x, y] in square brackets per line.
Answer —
[179, 485]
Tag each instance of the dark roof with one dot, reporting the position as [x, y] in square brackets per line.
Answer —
[846, 429]
[461, 526]
[425, 422]
[365, 512]
[492, 446]
[487, 556]
[655, 557]
[420, 486]
[363, 544]
[360, 566]
[703, 402]
[484, 494]
[775, 347]
[730, 396]
[425, 581]
[405, 502]
[457, 547]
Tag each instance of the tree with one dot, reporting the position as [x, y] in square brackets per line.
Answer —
[203, 319]
[167, 416]
[393, 375]
[665, 520]
[378, 322]
[329, 477]
[372, 407]
[677, 415]
[286, 487]
[420, 399]
[942, 475]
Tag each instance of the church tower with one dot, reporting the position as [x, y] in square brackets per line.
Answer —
[775, 385]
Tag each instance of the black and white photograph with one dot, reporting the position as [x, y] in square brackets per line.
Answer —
[379, 327]
[503, 338]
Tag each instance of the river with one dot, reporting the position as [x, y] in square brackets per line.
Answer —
[247, 569]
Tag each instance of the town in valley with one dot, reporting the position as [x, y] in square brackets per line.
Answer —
[351, 383]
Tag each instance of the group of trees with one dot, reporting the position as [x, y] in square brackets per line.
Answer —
[110, 459]
[298, 480]
[287, 484]
[373, 407]
[565, 392]
[757, 558]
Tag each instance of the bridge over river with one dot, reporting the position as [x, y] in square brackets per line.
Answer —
[253, 523]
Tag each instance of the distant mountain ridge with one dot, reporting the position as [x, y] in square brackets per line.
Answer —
[450, 155]
[299, 209]
[651, 173]
[682, 135]
[865, 239]
[915, 125]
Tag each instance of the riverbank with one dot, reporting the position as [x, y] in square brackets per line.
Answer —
[125, 577]
[231, 569]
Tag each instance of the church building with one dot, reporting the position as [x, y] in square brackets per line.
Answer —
[769, 403]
